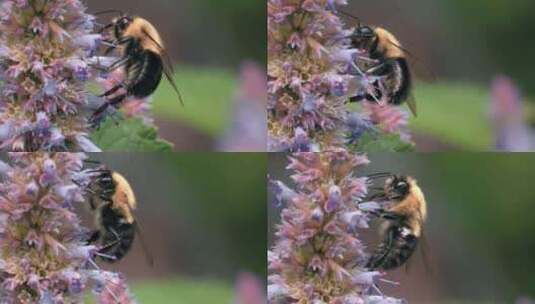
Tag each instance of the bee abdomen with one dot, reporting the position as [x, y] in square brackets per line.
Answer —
[116, 235]
[149, 76]
[122, 243]
[395, 250]
[402, 83]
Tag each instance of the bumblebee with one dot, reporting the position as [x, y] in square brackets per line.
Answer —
[143, 57]
[113, 201]
[404, 220]
[393, 66]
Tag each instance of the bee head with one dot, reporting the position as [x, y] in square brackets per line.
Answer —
[121, 24]
[397, 187]
[363, 37]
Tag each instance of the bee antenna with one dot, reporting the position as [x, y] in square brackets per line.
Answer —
[112, 11]
[351, 16]
[376, 188]
[89, 161]
[379, 175]
[379, 195]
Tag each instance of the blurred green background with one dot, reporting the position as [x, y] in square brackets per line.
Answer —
[459, 47]
[209, 40]
[479, 231]
[202, 218]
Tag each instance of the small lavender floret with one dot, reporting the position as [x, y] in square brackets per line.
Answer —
[48, 54]
[44, 63]
[511, 132]
[250, 290]
[317, 256]
[248, 131]
[44, 256]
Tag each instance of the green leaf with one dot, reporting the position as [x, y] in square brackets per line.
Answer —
[129, 135]
[454, 113]
[373, 142]
[208, 99]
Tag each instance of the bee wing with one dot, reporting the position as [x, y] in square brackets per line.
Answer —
[168, 69]
[411, 102]
[171, 79]
[424, 248]
[408, 266]
[414, 58]
[146, 252]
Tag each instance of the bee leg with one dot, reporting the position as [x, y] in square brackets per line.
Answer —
[116, 101]
[112, 243]
[97, 117]
[377, 94]
[377, 258]
[89, 190]
[111, 46]
[124, 40]
[357, 98]
[94, 237]
[109, 43]
[387, 215]
[113, 117]
[107, 26]
[109, 50]
[376, 196]
[107, 70]
[115, 65]
[92, 203]
[377, 70]
[382, 69]
[119, 63]
[90, 161]
[112, 90]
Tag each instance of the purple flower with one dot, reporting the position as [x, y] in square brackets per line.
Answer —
[312, 73]
[334, 199]
[249, 126]
[47, 54]
[511, 131]
[357, 125]
[249, 290]
[307, 95]
[132, 107]
[44, 66]
[390, 119]
[111, 288]
[44, 257]
[282, 192]
[317, 255]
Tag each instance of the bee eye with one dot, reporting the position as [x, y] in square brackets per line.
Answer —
[402, 185]
[123, 24]
[365, 31]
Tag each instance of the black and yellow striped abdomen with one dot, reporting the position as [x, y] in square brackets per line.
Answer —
[397, 247]
[116, 234]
